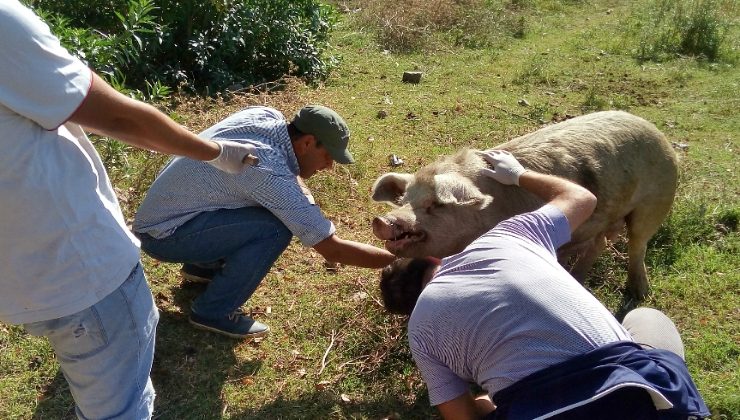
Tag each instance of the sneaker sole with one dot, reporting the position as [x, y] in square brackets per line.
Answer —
[228, 334]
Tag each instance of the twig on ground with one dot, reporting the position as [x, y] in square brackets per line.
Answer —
[511, 113]
[326, 353]
[364, 289]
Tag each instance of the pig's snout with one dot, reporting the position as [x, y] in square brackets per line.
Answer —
[383, 228]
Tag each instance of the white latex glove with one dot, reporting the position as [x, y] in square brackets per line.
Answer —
[506, 169]
[234, 156]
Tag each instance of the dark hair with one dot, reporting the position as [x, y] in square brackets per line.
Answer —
[295, 133]
[401, 283]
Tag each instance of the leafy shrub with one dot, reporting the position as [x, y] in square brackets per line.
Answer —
[110, 54]
[205, 45]
[98, 14]
[668, 28]
[219, 43]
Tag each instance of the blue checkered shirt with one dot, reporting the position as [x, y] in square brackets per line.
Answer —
[186, 188]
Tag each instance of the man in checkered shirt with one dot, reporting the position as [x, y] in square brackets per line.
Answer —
[228, 230]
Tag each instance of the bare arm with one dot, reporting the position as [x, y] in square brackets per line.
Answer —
[354, 253]
[576, 202]
[107, 112]
[465, 407]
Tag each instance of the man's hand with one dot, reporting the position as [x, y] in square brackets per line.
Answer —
[506, 169]
[234, 157]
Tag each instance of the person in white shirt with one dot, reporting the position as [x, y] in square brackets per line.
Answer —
[69, 267]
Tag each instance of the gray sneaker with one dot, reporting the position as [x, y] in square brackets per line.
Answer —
[234, 325]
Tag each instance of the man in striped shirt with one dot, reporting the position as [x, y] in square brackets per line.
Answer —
[229, 229]
[504, 314]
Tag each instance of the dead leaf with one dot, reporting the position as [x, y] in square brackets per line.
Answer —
[322, 385]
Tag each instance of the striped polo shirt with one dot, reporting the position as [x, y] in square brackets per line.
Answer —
[504, 308]
[186, 188]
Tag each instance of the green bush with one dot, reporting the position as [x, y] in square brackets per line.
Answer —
[205, 45]
[111, 54]
[667, 28]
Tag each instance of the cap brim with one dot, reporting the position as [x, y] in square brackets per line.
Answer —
[344, 156]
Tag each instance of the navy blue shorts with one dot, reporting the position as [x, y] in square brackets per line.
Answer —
[617, 381]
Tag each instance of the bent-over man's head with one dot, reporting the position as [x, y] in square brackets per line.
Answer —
[320, 137]
[402, 281]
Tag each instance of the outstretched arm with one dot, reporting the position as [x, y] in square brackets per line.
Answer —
[107, 112]
[354, 253]
[576, 202]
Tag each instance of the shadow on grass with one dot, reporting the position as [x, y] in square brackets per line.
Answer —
[56, 402]
[189, 371]
[191, 366]
[324, 405]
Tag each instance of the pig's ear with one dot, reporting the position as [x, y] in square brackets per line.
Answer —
[455, 189]
[390, 187]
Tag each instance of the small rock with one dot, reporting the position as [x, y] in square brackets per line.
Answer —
[331, 266]
[395, 160]
[411, 77]
[359, 296]
[523, 102]
[680, 146]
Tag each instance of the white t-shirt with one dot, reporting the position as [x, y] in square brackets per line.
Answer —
[504, 308]
[63, 242]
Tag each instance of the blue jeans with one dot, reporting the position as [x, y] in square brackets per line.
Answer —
[247, 240]
[105, 352]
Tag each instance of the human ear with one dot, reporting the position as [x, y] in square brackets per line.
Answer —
[303, 143]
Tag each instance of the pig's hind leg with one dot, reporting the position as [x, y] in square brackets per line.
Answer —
[642, 223]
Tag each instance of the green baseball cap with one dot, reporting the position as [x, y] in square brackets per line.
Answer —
[328, 128]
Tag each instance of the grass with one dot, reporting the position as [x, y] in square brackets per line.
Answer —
[333, 353]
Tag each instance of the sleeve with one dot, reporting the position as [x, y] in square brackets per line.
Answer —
[443, 384]
[253, 120]
[39, 79]
[547, 227]
[283, 197]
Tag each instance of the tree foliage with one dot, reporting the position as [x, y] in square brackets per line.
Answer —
[203, 45]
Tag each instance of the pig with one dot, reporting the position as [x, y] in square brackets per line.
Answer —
[624, 160]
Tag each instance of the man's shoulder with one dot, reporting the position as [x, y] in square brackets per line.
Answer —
[266, 111]
[437, 298]
[547, 223]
